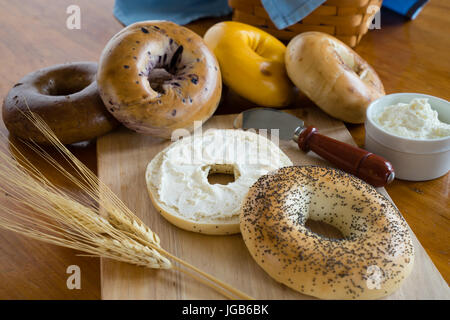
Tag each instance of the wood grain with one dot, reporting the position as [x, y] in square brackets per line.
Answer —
[34, 35]
[122, 159]
[410, 56]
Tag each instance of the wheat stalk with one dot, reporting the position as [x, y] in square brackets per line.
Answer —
[98, 223]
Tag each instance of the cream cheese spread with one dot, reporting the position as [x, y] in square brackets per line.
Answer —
[415, 120]
[180, 174]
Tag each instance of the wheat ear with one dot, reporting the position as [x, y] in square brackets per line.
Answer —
[98, 223]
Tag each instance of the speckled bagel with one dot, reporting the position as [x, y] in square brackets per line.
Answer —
[156, 76]
[371, 261]
[65, 96]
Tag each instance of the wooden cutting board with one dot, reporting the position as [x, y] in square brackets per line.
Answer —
[122, 160]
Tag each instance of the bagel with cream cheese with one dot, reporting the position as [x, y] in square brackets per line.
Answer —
[65, 96]
[371, 261]
[177, 178]
[332, 75]
[156, 76]
[252, 63]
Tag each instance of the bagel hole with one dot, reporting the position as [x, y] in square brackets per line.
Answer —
[220, 178]
[165, 69]
[68, 87]
[158, 77]
[348, 59]
[324, 229]
[222, 174]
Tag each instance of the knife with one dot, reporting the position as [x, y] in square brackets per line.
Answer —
[365, 165]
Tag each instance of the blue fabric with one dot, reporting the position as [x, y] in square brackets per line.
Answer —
[408, 8]
[284, 13]
[178, 11]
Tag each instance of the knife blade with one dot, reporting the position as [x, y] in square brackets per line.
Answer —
[266, 118]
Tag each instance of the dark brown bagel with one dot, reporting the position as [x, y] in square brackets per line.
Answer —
[65, 96]
[156, 76]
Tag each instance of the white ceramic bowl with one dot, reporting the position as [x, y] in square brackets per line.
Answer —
[412, 159]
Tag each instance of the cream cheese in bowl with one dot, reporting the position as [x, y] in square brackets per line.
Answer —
[412, 131]
[414, 120]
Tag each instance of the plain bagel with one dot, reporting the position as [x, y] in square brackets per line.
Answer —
[177, 178]
[65, 96]
[332, 75]
[371, 261]
[156, 76]
[252, 63]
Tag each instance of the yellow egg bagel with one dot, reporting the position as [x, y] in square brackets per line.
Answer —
[252, 63]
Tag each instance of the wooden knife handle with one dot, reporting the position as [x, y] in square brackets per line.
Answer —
[365, 165]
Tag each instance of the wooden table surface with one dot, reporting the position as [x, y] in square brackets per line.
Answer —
[409, 57]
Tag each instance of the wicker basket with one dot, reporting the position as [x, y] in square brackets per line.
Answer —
[347, 20]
